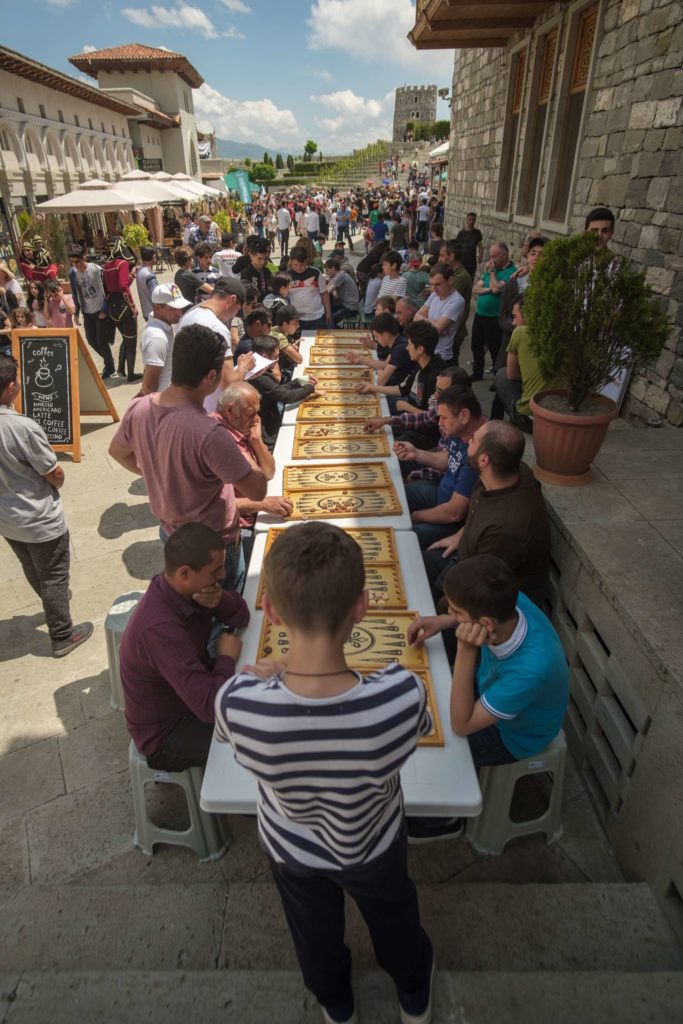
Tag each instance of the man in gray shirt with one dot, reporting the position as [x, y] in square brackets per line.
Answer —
[87, 290]
[344, 292]
[31, 516]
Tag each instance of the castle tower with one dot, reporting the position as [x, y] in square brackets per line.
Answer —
[413, 103]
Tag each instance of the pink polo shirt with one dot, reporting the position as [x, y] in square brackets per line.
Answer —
[189, 463]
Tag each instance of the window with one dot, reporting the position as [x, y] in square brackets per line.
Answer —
[76, 121]
[511, 129]
[20, 105]
[90, 123]
[533, 146]
[569, 118]
[41, 108]
[60, 115]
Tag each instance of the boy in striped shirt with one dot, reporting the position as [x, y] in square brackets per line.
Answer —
[326, 745]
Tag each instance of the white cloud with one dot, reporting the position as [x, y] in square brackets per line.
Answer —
[89, 49]
[183, 16]
[351, 121]
[377, 29]
[247, 120]
[61, 3]
[237, 6]
[325, 76]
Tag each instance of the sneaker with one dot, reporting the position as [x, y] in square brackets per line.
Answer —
[416, 1007]
[430, 830]
[133, 377]
[117, 375]
[343, 1013]
[107, 374]
[79, 634]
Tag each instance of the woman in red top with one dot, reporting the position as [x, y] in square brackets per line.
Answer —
[117, 276]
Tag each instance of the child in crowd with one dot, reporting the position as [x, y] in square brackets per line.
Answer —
[276, 393]
[332, 826]
[285, 329]
[59, 308]
[280, 294]
[36, 303]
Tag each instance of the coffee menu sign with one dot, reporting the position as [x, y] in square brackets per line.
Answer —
[59, 384]
[46, 385]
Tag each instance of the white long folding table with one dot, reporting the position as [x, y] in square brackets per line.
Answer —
[283, 457]
[436, 780]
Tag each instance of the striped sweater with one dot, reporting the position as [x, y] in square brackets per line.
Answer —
[329, 791]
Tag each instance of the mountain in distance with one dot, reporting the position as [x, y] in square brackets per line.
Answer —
[228, 148]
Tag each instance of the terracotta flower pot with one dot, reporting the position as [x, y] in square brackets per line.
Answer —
[565, 443]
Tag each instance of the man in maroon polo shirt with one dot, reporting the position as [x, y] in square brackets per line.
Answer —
[169, 679]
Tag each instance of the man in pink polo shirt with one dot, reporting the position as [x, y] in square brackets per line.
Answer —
[189, 462]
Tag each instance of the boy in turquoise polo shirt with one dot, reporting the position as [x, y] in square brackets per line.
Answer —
[510, 680]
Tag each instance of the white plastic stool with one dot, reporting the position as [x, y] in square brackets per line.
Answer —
[490, 832]
[203, 834]
[114, 625]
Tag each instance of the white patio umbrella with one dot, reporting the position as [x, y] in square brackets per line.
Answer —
[140, 183]
[189, 194]
[94, 196]
[198, 186]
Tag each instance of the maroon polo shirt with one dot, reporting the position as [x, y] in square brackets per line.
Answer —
[165, 668]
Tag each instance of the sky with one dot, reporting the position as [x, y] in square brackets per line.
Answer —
[276, 72]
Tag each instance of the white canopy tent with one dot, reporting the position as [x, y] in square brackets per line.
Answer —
[440, 151]
[197, 186]
[186, 186]
[139, 183]
[95, 196]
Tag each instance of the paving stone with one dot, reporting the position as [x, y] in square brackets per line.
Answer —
[30, 698]
[80, 830]
[94, 751]
[600, 501]
[653, 497]
[29, 777]
[14, 873]
[142, 927]
[593, 927]
[672, 531]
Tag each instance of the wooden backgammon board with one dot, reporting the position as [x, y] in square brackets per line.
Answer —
[325, 373]
[338, 337]
[315, 412]
[377, 542]
[341, 504]
[325, 478]
[361, 447]
[435, 737]
[378, 640]
[328, 431]
[341, 390]
[329, 357]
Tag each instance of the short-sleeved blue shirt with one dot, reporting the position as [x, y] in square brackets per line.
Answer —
[458, 478]
[525, 683]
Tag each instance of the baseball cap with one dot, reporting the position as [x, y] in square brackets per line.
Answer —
[205, 219]
[169, 295]
[229, 285]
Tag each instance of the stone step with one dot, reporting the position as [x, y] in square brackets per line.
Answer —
[255, 997]
[476, 926]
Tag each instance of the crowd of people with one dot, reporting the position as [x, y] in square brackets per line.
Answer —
[219, 348]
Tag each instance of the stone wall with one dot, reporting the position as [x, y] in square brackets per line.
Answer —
[413, 103]
[629, 158]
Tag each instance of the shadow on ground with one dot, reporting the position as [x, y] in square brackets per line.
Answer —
[20, 636]
[120, 518]
[144, 559]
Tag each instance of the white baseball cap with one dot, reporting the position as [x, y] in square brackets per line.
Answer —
[169, 295]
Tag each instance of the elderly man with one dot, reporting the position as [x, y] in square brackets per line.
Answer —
[406, 308]
[238, 412]
[486, 332]
[189, 463]
[156, 343]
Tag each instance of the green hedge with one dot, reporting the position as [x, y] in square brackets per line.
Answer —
[306, 168]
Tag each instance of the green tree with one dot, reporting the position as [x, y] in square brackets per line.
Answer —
[290, 162]
[442, 130]
[590, 315]
[279, 162]
[311, 147]
[247, 161]
[263, 172]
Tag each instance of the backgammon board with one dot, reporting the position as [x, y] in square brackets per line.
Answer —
[341, 504]
[338, 337]
[378, 640]
[329, 357]
[325, 373]
[377, 543]
[306, 431]
[337, 413]
[326, 478]
[362, 446]
[435, 737]
[341, 390]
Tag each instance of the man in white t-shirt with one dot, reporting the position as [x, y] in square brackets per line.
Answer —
[284, 222]
[223, 304]
[226, 257]
[312, 223]
[444, 309]
[156, 343]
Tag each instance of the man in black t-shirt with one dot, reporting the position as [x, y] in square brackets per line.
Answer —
[471, 242]
[191, 285]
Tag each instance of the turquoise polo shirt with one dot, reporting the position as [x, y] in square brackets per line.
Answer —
[489, 305]
[525, 683]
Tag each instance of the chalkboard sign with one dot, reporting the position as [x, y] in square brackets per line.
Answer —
[47, 385]
[59, 384]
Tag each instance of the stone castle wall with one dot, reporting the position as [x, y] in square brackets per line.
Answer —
[413, 103]
[628, 158]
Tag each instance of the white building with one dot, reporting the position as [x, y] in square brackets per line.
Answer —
[56, 131]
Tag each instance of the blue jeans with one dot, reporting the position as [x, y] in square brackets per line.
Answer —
[422, 494]
[487, 748]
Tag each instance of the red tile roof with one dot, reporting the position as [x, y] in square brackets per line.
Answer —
[137, 57]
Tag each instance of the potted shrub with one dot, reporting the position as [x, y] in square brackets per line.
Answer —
[591, 316]
[135, 235]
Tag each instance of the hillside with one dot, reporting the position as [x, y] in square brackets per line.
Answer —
[239, 150]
